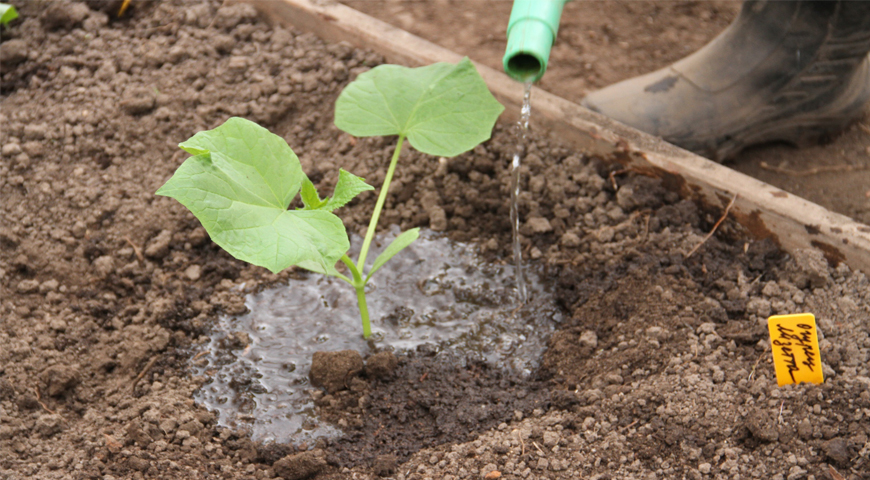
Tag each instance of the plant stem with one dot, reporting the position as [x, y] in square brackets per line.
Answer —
[382, 198]
[363, 310]
[359, 284]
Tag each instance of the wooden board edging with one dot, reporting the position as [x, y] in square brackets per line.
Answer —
[763, 210]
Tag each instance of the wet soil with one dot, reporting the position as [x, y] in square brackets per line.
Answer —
[457, 305]
[660, 368]
[604, 42]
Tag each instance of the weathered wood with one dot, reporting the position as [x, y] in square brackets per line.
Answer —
[763, 210]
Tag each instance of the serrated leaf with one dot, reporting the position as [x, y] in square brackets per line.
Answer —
[7, 14]
[239, 184]
[346, 189]
[442, 109]
[397, 245]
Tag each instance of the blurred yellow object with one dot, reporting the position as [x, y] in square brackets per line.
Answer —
[123, 8]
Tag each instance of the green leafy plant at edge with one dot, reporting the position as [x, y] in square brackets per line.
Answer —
[7, 14]
[241, 178]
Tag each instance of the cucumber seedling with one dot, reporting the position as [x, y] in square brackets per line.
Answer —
[241, 178]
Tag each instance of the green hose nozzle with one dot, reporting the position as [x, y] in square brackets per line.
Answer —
[531, 32]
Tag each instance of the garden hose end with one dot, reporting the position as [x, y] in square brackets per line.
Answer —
[531, 32]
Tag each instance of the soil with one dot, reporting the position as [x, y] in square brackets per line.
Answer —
[661, 368]
[606, 41]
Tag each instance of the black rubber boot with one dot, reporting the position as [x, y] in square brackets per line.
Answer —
[782, 71]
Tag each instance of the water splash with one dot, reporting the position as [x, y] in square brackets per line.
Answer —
[434, 292]
[521, 128]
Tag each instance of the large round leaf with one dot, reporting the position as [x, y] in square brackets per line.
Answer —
[442, 109]
[239, 183]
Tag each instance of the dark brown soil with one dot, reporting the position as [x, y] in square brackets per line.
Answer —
[606, 41]
[660, 369]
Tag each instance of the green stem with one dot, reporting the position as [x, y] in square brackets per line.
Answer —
[363, 310]
[359, 285]
[382, 197]
[343, 277]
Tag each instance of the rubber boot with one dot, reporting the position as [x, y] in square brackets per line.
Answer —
[782, 71]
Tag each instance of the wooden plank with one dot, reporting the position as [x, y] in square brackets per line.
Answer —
[763, 210]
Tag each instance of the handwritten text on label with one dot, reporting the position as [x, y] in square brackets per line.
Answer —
[795, 343]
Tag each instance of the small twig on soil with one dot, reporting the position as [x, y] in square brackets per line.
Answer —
[39, 401]
[629, 425]
[541, 452]
[835, 474]
[424, 376]
[646, 228]
[646, 214]
[780, 419]
[754, 367]
[204, 352]
[136, 249]
[143, 372]
[613, 175]
[522, 443]
[814, 170]
[716, 226]
[211, 24]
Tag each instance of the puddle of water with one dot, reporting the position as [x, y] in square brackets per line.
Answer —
[521, 128]
[434, 292]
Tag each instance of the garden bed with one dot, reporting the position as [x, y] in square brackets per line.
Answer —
[660, 366]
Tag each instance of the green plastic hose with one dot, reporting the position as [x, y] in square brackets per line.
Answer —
[531, 32]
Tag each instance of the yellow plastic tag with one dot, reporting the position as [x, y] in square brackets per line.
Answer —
[795, 342]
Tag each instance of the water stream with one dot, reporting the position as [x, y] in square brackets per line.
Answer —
[435, 292]
[521, 129]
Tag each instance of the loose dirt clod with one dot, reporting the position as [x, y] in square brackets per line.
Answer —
[381, 365]
[837, 449]
[301, 465]
[334, 370]
[59, 380]
[385, 465]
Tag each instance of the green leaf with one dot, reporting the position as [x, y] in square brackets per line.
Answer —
[239, 184]
[443, 109]
[397, 245]
[318, 268]
[309, 195]
[7, 14]
[346, 189]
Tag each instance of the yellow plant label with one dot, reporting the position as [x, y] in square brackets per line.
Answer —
[795, 342]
